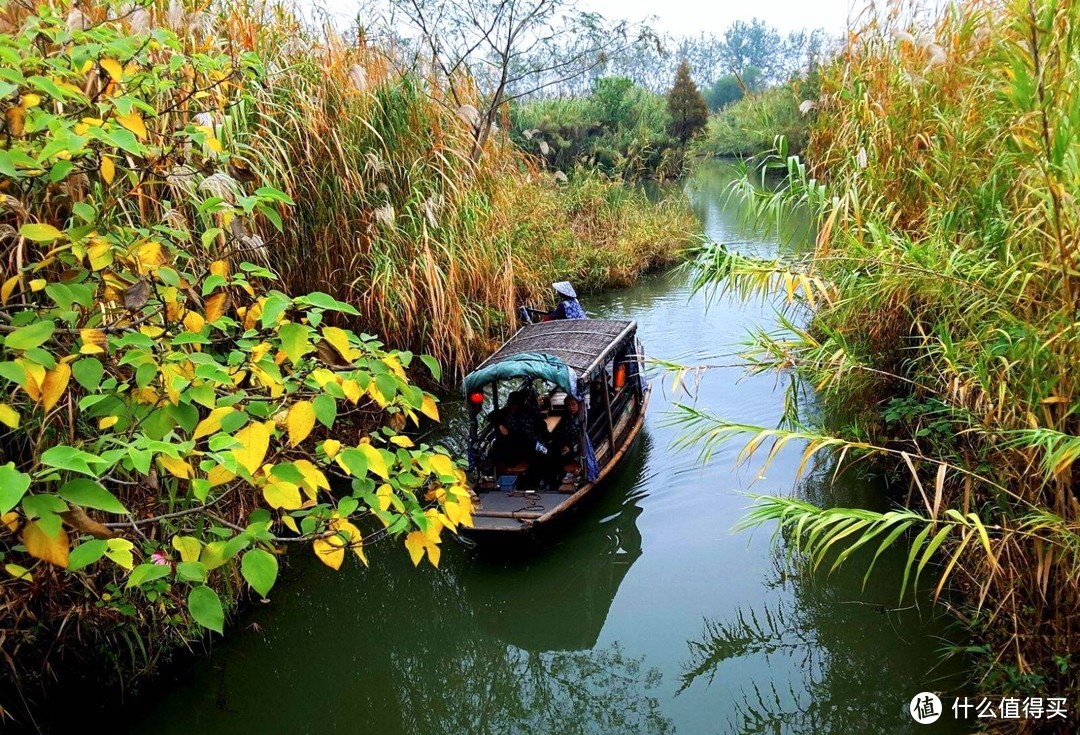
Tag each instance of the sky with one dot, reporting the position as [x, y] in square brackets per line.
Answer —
[683, 17]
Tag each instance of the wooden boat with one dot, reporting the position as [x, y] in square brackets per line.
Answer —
[595, 362]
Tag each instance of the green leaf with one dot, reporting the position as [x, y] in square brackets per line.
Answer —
[87, 372]
[269, 192]
[13, 485]
[191, 571]
[69, 458]
[13, 371]
[147, 573]
[295, 341]
[29, 336]
[260, 569]
[325, 410]
[40, 232]
[90, 494]
[354, 461]
[326, 301]
[86, 554]
[432, 365]
[205, 608]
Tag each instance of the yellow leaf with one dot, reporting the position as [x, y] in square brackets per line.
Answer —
[19, 572]
[176, 467]
[194, 322]
[352, 390]
[392, 362]
[220, 268]
[112, 66]
[339, 340]
[331, 447]
[35, 376]
[8, 287]
[219, 476]
[54, 385]
[429, 409]
[150, 255]
[10, 520]
[416, 542]
[37, 284]
[330, 551]
[385, 495]
[313, 477]
[134, 123]
[402, 441]
[9, 416]
[290, 523]
[281, 494]
[376, 395]
[300, 421]
[53, 549]
[213, 144]
[93, 341]
[356, 540]
[375, 461]
[30, 100]
[254, 440]
[215, 306]
[107, 169]
[189, 547]
[100, 254]
[442, 464]
[212, 423]
[107, 423]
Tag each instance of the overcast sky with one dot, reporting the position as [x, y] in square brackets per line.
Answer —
[683, 17]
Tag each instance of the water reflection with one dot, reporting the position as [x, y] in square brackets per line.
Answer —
[499, 642]
[536, 602]
[838, 643]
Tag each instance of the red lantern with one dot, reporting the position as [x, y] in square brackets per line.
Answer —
[620, 376]
[476, 398]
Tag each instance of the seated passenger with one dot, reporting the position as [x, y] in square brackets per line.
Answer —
[565, 444]
[568, 307]
[516, 431]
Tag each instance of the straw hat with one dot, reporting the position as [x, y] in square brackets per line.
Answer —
[563, 288]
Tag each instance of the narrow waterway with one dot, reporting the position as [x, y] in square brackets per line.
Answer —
[645, 614]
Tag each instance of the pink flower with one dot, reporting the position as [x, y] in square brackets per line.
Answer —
[160, 559]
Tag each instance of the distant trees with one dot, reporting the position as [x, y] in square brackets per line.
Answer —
[686, 106]
[746, 57]
[510, 49]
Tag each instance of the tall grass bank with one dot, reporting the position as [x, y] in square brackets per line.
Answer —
[944, 290]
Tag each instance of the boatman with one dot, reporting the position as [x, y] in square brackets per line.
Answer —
[568, 308]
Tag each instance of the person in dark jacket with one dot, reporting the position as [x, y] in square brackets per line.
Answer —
[565, 443]
[568, 307]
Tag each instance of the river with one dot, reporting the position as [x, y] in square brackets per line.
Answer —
[645, 614]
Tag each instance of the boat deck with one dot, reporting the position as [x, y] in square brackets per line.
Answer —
[514, 510]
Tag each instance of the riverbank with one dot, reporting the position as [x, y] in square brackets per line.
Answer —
[944, 290]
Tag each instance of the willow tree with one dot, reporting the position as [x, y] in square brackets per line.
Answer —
[687, 107]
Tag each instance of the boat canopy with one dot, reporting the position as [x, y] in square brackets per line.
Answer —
[525, 365]
[567, 352]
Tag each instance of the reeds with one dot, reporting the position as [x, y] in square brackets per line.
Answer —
[393, 216]
[944, 290]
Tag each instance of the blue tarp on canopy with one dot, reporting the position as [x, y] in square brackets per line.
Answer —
[525, 365]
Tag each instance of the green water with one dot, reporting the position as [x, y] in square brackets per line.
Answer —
[645, 614]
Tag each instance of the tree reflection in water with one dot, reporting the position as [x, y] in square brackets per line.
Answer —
[492, 643]
[833, 636]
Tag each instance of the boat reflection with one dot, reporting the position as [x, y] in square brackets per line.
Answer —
[533, 599]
